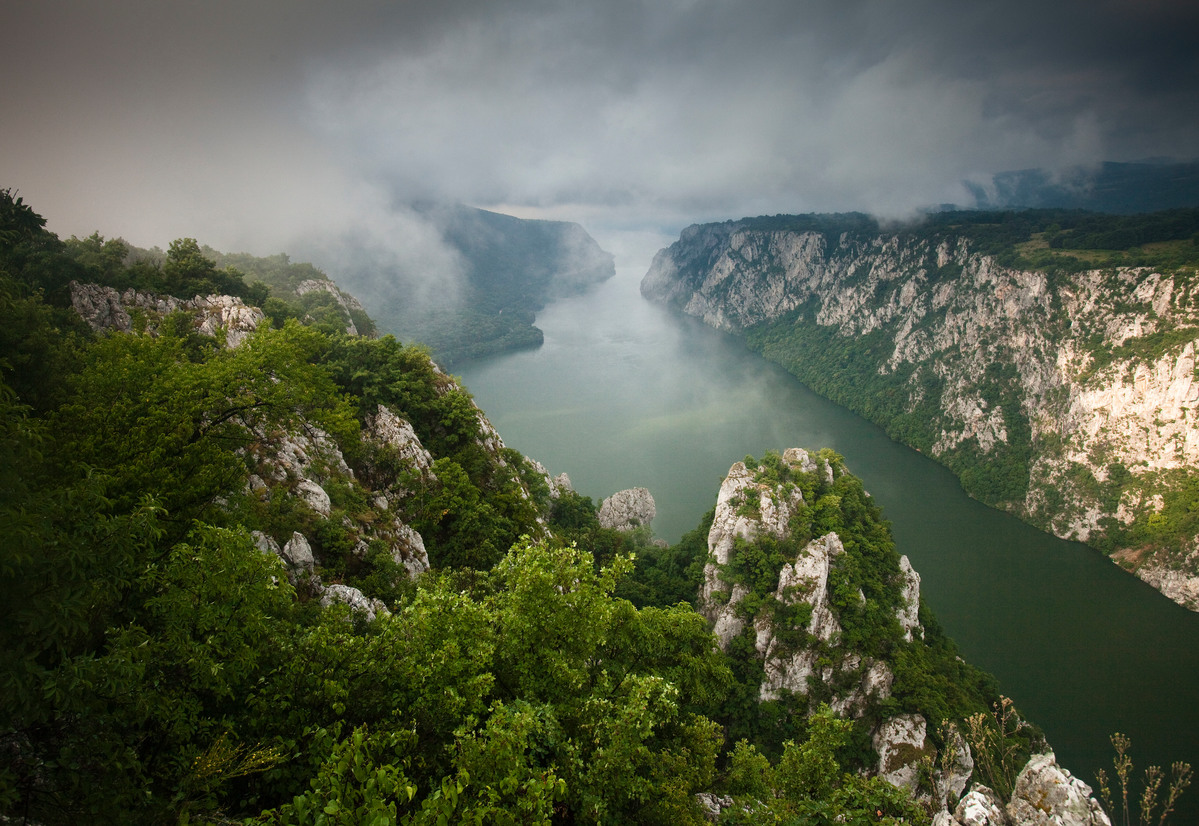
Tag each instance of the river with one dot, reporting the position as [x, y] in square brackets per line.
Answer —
[624, 393]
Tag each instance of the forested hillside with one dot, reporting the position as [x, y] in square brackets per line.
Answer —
[267, 572]
[507, 269]
[1046, 356]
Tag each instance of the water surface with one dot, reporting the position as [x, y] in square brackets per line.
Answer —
[624, 394]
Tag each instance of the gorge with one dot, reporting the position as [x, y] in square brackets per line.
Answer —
[1055, 379]
[305, 529]
[625, 393]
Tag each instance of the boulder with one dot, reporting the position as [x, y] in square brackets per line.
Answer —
[358, 601]
[1047, 795]
[981, 807]
[628, 509]
[902, 743]
[297, 554]
[315, 497]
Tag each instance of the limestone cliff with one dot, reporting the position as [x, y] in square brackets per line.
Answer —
[838, 623]
[302, 499]
[1067, 396]
[105, 308]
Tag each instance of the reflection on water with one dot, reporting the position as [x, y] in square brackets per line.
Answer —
[624, 394]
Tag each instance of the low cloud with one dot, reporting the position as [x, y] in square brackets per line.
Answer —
[266, 125]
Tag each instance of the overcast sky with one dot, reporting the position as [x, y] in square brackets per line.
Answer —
[250, 124]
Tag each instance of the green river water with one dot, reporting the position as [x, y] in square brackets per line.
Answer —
[625, 394]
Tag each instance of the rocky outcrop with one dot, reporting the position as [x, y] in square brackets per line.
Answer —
[104, 308]
[386, 429]
[981, 807]
[628, 509]
[297, 555]
[1086, 380]
[359, 603]
[747, 509]
[1047, 794]
[1044, 795]
[345, 302]
[807, 580]
[800, 640]
[902, 742]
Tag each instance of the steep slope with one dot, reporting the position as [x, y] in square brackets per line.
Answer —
[301, 288]
[1058, 384]
[806, 593]
[510, 268]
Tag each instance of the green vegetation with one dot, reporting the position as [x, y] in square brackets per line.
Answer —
[906, 401]
[1054, 240]
[959, 374]
[1151, 790]
[298, 290]
[507, 269]
[158, 667]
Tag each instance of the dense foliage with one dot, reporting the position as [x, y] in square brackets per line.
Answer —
[299, 290]
[156, 666]
[845, 369]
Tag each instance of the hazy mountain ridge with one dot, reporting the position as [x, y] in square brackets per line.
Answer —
[1106, 187]
[509, 269]
[1059, 385]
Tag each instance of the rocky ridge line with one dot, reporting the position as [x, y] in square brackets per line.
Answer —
[947, 312]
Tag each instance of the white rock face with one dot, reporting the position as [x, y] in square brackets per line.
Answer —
[385, 427]
[901, 742]
[628, 509]
[409, 549]
[909, 612]
[294, 459]
[266, 544]
[1046, 794]
[358, 601]
[805, 580]
[315, 497]
[730, 523]
[297, 554]
[746, 510]
[224, 312]
[1176, 583]
[104, 308]
[1141, 411]
[981, 807]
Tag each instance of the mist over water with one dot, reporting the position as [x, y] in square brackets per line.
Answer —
[625, 394]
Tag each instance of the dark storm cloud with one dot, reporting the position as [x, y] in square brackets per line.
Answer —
[256, 122]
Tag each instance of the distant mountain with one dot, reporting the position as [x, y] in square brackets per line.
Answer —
[510, 269]
[1108, 187]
